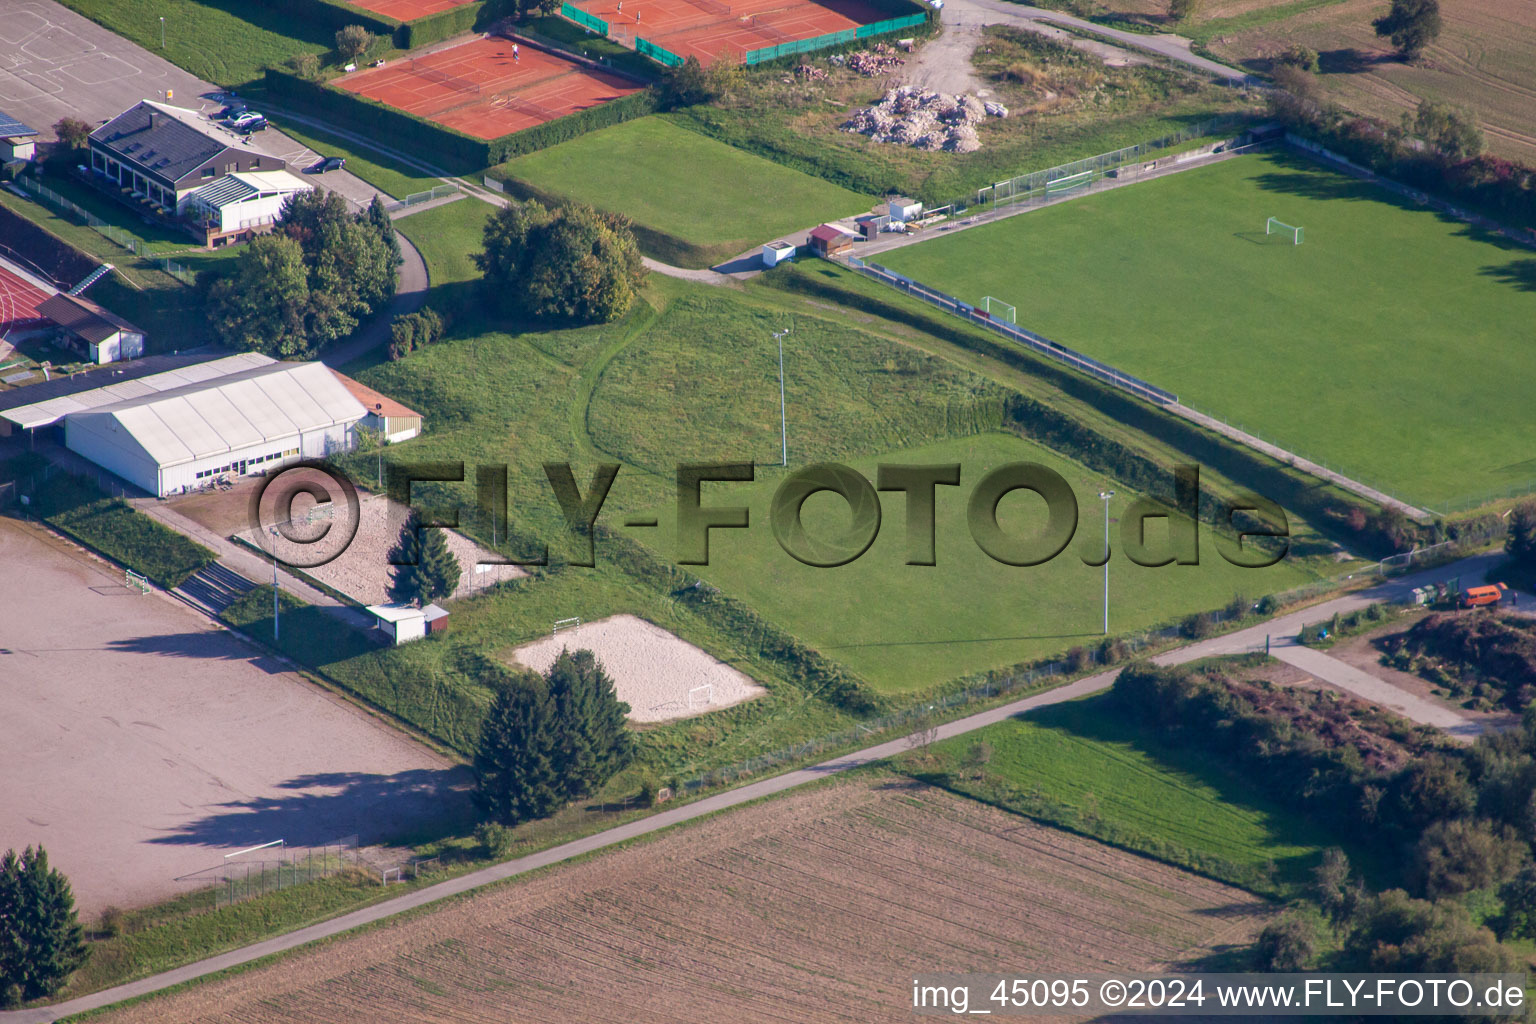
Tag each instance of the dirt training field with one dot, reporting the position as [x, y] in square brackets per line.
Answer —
[142, 743]
[813, 907]
[654, 672]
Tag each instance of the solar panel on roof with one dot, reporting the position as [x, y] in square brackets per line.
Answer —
[11, 128]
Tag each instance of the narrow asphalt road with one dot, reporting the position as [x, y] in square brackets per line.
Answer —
[1470, 570]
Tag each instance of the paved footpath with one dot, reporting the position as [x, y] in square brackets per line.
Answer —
[1471, 570]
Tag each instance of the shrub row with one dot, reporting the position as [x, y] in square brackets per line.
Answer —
[806, 667]
[1354, 523]
[1500, 187]
[334, 15]
[563, 129]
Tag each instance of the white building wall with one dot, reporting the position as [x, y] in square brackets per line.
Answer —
[113, 451]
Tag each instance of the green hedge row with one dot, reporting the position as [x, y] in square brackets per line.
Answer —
[1353, 522]
[563, 129]
[805, 666]
[436, 27]
[334, 15]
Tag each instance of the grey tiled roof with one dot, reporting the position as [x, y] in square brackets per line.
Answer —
[171, 148]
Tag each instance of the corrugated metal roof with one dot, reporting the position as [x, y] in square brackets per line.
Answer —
[238, 187]
[203, 419]
[56, 406]
[228, 189]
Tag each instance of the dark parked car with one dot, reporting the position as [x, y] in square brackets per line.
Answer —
[230, 112]
[330, 163]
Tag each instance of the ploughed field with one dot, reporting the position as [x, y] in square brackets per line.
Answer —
[816, 906]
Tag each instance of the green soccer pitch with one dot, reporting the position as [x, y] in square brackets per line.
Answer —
[1394, 344]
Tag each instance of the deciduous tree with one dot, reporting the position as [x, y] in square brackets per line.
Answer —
[72, 132]
[260, 306]
[1411, 25]
[568, 263]
[353, 41]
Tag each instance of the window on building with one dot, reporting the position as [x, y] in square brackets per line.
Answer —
[208, 172]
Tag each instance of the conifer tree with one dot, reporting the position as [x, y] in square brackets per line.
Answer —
[516, 777]
[424, 567]
[41, 941]
[593, 741]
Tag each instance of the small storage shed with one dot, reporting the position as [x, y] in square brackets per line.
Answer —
[402, 623]
[775, 253]
[828, 240]
[904, 209]
[437, 618]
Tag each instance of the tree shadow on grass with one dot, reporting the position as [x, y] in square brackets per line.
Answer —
[1348, 60]
[1097, 719]
[328, 805]
[1521, 274]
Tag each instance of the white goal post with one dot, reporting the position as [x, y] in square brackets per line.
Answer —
[571, 623]
[1009, 311]
[1275, 224]
[707, 691]
[134, 581]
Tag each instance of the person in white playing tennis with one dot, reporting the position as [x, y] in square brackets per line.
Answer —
[514, 53]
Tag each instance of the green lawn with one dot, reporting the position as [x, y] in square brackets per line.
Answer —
[1393, 344]
[221, 41]
[907, 627]
[378, 170]
[1079, 765]
[651, 171]
[447, 237]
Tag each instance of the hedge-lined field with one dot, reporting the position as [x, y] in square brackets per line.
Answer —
[907, 627]
[1082, 766]
[114, 528]
[728, 201]
[1392, 344]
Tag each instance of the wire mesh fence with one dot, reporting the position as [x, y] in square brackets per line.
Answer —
[111, 232]
[270, 868]
[436, 192]
[1036, 342]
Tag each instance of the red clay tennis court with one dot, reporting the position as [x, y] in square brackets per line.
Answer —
[19, 299]
[482, 89]
[710, 29]
[407, 10]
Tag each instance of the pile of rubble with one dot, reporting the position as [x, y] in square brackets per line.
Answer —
[924, 119]
[871, 63]
[810, 73]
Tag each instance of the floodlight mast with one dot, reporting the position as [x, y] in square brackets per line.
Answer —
[1106, 495]
[783, 416]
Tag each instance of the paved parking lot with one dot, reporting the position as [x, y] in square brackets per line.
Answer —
[55, 63]
[142, 743]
